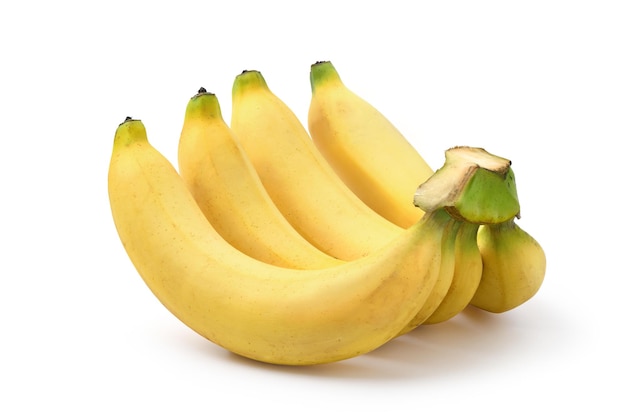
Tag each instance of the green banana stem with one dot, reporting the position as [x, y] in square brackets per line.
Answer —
[323, 72]
[205, 104]
[248, 79]
[480, 187]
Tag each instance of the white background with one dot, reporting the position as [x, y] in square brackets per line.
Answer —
[542, 83]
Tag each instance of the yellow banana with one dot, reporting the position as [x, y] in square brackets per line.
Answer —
[230, 193]
[254, 309]
[514, 267]
[468, 269]
[297, 177]
[441, 288]
[364, 148]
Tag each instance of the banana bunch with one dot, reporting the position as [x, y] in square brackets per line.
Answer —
[298, 247]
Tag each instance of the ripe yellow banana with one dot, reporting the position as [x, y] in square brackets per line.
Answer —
[297, 177]
[230, 193]
[441, 288]
[514, 267]
[254, 309]
[364, 148]
[468, 269]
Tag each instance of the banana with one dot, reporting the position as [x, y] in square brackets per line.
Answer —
[442, 287]
[257, 310]
[364, 148]
[297, 177]
[514, 267]
[223, 181]
[467, 274]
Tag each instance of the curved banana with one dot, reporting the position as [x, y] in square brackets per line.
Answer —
[514, 267]
[260, 311]
[297, 177]
[230, 193]
[365, 149]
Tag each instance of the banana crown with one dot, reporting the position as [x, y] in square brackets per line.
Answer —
[479, 187]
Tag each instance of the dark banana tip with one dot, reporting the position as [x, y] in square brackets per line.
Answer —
[127, 119]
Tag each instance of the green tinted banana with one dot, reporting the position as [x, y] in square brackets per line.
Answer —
[254, 309]
[514, 267]
[230, 193]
